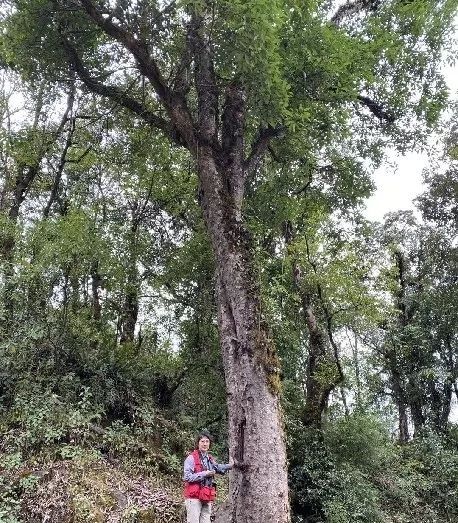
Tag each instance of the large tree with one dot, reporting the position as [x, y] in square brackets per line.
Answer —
[225, 79]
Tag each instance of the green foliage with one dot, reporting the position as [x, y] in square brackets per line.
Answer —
[248, 42]
[354, 472]
[40, 418]
[124, 241]
[361, 442]
[35, 30]
[431, 468]
[357, 499]
[327, 485]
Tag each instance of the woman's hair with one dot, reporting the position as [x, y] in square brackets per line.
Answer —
[203, 434]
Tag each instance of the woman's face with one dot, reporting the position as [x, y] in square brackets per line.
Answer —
[204, 444]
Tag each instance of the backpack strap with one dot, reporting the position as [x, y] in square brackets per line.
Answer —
[198, 461]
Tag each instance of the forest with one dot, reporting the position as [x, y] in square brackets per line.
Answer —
[184, 246]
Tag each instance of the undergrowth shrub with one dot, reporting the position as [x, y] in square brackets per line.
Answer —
[40, 418]
[354, 472]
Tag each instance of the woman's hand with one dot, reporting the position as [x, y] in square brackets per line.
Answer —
[234, 463]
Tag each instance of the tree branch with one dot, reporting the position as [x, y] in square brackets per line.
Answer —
[119, 96]
[139, 50]
[233, 124]
[260, 146]
[205, 80]
[376, 109]
[173, 102]
[68, 143]
[327, 315]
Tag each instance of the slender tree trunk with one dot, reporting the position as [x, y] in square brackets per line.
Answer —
[455, 388]
[355, 351]
[129, 311]
[344, 402]
[96, 282]
[399, 393]
[129, 316]
[23, 180]
[319, 363]
[319, 373]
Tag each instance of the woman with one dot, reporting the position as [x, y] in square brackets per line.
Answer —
[199, 470]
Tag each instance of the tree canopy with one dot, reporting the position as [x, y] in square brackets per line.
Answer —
[182, 246]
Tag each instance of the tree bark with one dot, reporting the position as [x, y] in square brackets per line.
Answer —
[399, 398]
[413, 391]
[323, 372]
[16, 195]
[96, 283]
[259, 492]
[129, 309]
[319, 364]
[399, 393]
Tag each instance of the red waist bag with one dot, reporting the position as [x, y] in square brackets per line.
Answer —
[207, 494]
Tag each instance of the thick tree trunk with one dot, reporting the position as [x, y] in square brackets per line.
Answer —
[418, 420]
[259, 493]
[441, 403]
[129, 316]
[403, 425]
[403, 389]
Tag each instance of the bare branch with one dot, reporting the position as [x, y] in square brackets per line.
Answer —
[28, 172]
[68, 144]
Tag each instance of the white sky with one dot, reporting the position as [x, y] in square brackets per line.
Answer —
[399, 181]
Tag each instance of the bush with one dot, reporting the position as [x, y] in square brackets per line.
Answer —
[360, 441]
[352, 472]
[40, 418]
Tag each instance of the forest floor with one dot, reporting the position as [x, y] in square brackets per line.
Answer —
[94, 489]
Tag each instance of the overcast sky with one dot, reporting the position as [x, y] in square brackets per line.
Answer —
[399, 182]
